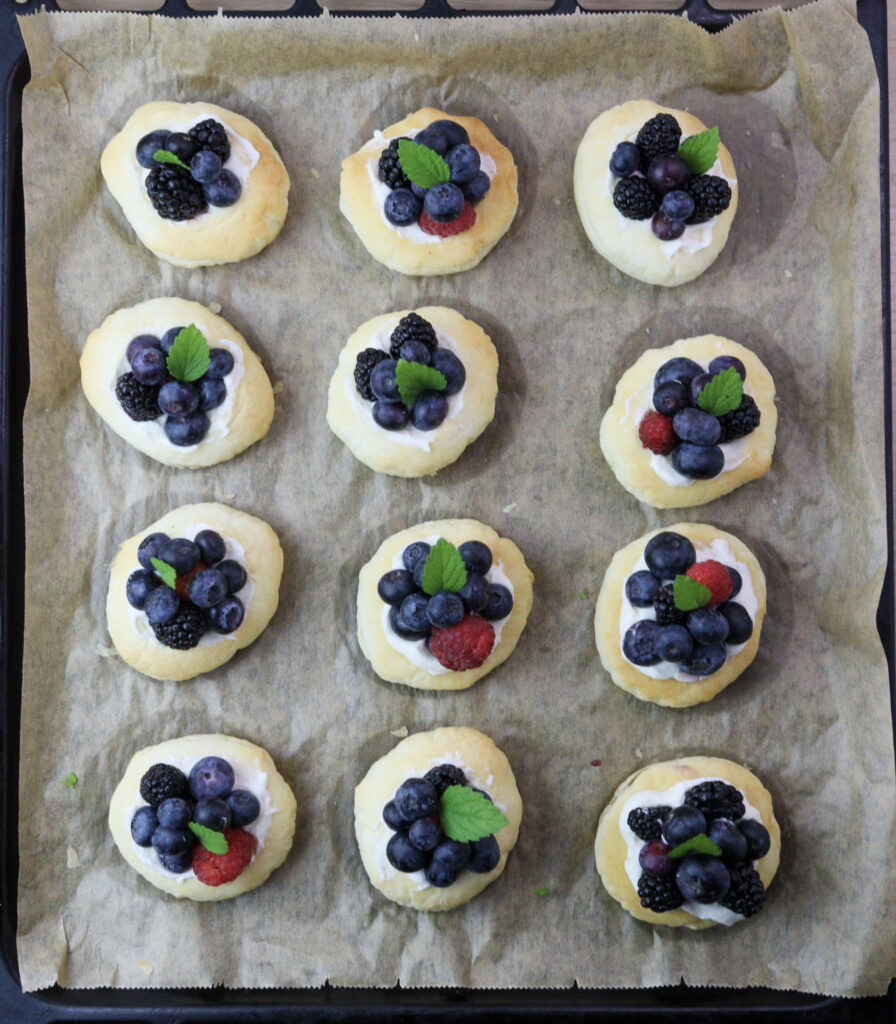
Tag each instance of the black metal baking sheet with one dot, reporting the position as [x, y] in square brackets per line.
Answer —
[229, 1006]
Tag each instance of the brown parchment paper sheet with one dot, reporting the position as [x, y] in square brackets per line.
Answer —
[796, 97]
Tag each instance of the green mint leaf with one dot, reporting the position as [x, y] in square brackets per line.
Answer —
[699, 152]
[584, 594]
[164, 571]
[467, 816]
[688, 594]
[723, 393]
[162, 156]
[415, 378]
[541, 892]
[188, 358]
[421, 164]
[213, 841]
[71, 780]
[444, 569]
[696, 844]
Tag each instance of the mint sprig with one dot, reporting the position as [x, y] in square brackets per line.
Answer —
[699, 151]
[696, 844]
[421, 164]
[688, 594]
[723, 393]
[467, 815]
[415, 378]
[213, 841]
[166, 573]
[162, 156]
[71, 780]
[188, 358]
[444, 569]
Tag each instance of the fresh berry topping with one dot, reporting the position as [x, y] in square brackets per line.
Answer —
[464, 646]
[383, 382]
[176, 398]
[227, 615]
[716, 799]
[445, 775]
[654, 858]
[162, 781]
[213, 814]
[647, 822]
[443, 202]
[187, 430]
[500, 603]
[637, 644]
[205, 166]
[665, 228]
[394, 586]
[143, 824]
[741, 421]
[729, 839]
[641, 588]
[711, 196]
[412, 616]
[182, 146]
[673, 643]
[161, 606]
[746, 895]
[433, 139]
[393, 819]
[177, 863]
[364, 364]
[680, 368]
[678, 205]
[669, 554]
[149, 145]
[668, 173]
[184, 631]
[758, 840]
[412, 327]
[445, 609]
[429, 411]
[656, 434]
[183, 581]
[149, 548]
[683, 823]
[138, 586]
[664, 607]
[670, 397]
[722, 363]
[220, 363]
[485, 854]
[416, 798]
[402, 207]
[635, 199]
[658, 136]
[139, 343]
[425, 834]
[212, 393]
[659, 894]
[403, 855]
[171, 841]
[451, 368]
[696, 426]
[175, 812]
[211, 134]
[219, 868]
[697, 461]
[463, 163]
[476, 188]
[149, 366]
[625, 159]
[208, 588]
[181, 554]
[477, 556]
[702, 879]
[211, 546]
[389, 168]
[707, 626]
[475, 593]
[211, 777]
[715, 577]
[174, 194]
[225, 190]
[455, 133]
[413, 553]
[244, 807]
[234, 573]
[466, 219]
[390, 415]
[705, 659]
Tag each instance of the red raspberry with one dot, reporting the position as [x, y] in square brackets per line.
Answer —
[715, 576]
[182, 583]
[218, 868]
[466, 220]
[656, 433]
[465, 645]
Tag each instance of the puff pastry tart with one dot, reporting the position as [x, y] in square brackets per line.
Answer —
[203, 817]
[691, 422]
[436, 817]
[442, 604]
[690, 842]
[192, 589]
[220, 399]
[435, 203]
[656, 197]
[410, 420]
[199, 184]
[665, 639]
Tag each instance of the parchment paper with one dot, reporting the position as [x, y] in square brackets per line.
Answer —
[796, 97]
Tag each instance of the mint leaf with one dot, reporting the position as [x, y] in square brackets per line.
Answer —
[723, 393]
[421, 164]
[162, 156]
[415, 378]
[699, 152]
[467, 816]
[444, 569]
[541, 892]
[71, 780]
[688, 594]
[213, 841]
[166, 573]
[696, 844]
[188, 357]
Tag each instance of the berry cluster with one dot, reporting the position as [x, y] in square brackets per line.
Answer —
[442, 208]
[207, 799]
[696, 639]
[149, 390]
[683, 425]
[719, 864]
[193, 176]
[655, 181]
[414, 341]
[200, 593]
[420, 844]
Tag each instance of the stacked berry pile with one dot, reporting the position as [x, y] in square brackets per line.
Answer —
[186, 587]
[695, 619]
[180, 812]
[703, 851]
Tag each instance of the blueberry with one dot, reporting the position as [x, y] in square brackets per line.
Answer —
[722, 363]
[429, 411]
[212, 393]
[696, 385]
[148, 146]
[211, 546]
[475, 592]
[177, 863]
[425, 834]
[677, 204]
[758, 840]
[176, 398]
[143, 824]
[433, 139]
[182, 146]
[418, 572]
[390, 415]
[188, 430]
[244, 807]
[175, 812]
[667, 173]
[705, 659]
[416, 798]
[451, 368]
[399, 629]
[463, 162]
[729, 839]
[234, 573]
[683, 823]
[150, 366]
[403, 856]
[206, 166]
[669, 554]
[500, 603]
[485, 855]
[698, 461]
[138, 586]
[412, 614]
[414, 351]
[150, 547]
[139, 343]
[220, 363]
[382, 381]
[445, 609]
[167, 840]
[208, 588]
[213, 814]
[670, 397]
[672, 643]
[625, 159]
[225, 190]
[393, 819]
[394, 586]
[483, 794]
[211, 777]
[665, 229]
[413, 553]
[637, 644]
[697, 427]
[679, 368]
[418, 190]
[706, 626]
[161, 605]
[641, 588]
[227, 615]
[440, 876]
[655, 860]
[402, 207]
[702, 879]
[740, 625]
[476, 188]
[736, 581]
[451, 855]
[477, 556]
[444, 202]
[169, 338]
[455, 133]
[181, 554]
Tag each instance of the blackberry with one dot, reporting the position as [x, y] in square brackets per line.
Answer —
[716, 799]
[711, 197]
[647, 822]
[659, 894]
[635, 199]
[139, 401]
[390, 170]
[161, 782]
[740, 421]
[445, 775]
[658, 136]
[185, 630]
[212, 135]
[412, 328]
[664, 606]
[364, 364]
[746, 895]
[174, 194]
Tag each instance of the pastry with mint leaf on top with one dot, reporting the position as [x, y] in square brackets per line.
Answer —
[436, 818]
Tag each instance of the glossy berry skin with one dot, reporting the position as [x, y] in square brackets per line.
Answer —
[205, 166]
[161, 605]
[213, 814]
[382, 381]
[149, 548]
[225, 190]
[641, 588]
[399, 629]
[670, 397]
[175, 812]
[736, 581]
[414, 351]
[680, 368]
[707, 626]
[477, 187]
[722, 363]
[188, 430]
[451, 368]
[740, 625]
[208, 588]
[211, 546]
[149, 366]
[394, 586]
[683, 823]
[220, 363]
[500, 603]
[170, 840]
[402, 207]
[455, 133]
[705, 660]
[211, 777]
[699, 462]
[177, 863]
[139, 343]
[463, 162]
[677, 205]
[227, 615]
[655, 860]
[143, 824]
[390, 415]
[696, 385]
[244, 807]
[433, 139]
[729, 839]
[412, 614]
[758, 840]
[440, 876]
[672, 643]
[403, 856]
[697, 427]
[477, 557]
[413, 553]
[415, 799]
[177, 398]
[666, 229]
[451, 855]
[430, 410]
[444, 202]
[138, 586]
[181, 554]
[393, 819]
[667, 173]
[669, 554]
[234, 573]
[425, 834]
[475, 593]
[211, 393]
[169, 338]
[182, 146]
[625, 159]
[148, 146]
[637, 644]
[702, 879]
[485, 855]
[445, 609]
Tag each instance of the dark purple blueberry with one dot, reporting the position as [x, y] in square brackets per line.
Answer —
[463, 163]
[706, 626]
[729, 839]
[169, 338]
[705, 659]
[227, 615]
[445, 775]
[416, 798]
[445, 609]
[211, 777]
[477, 556]
[740, 625]
[444, 202]
[403, 856]
[425, 834]
[475, 592]
[668, 173]
[150, 547]
[206, 166]
[138, 586]
[451, 368]
[412, 614]
[483, 794]
[418, 190]
[440, 876]
[149, 365]
[697, 461]
[161, 605]
[455, 133]
[696, 385]
[672, 643]
[394, 586]
[170, 840]
[220, 363]
[625, 159]
[234, 573]
[758, 840]
[679, 368]
[212, 393]
[736, 581]
[669, 554]
[697, 427]
[211, 546]
[393, 819]
[477, 187]
[677, 204]
[390, 415]
[451, 855]
[702, 879]
[175, 812]
[182, 146]
[485, 854]
[641, 588]
[670, 397]
[382, 381]
[402, 207]
[143, 824]
[500, 603]
[141, 342]
[722, 363]
[418, 573]
[683, 823]
[149, 145]
[181, 554]
[429, 411]
[414, 351]
[244, 807]
[177, 398]
[188, 430]
[399, 629]
[413, 553]
[225, 190]
[178, 863]
[637, 644]
[433, 139]
[213, 813]
[666, 230]
[655, 860]
[208, 588]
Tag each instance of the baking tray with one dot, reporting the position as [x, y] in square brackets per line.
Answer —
[707, 1006]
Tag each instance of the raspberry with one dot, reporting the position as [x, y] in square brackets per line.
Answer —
[715, 577]
[466, 220]
[218, 868]
[465, 645]
[656, 433]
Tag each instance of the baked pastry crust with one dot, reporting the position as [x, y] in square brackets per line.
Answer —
[412, 758]
[223, 234]
[494, 213]
[630, 461]
[103, 361]
[385, 451]
[278, 841]
[610, 848]
[669, 692]
[394, 667]
[637, 252]
[263, 564]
